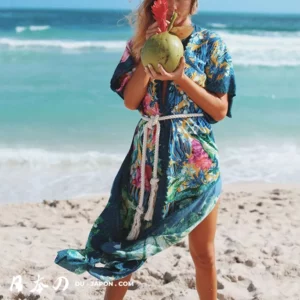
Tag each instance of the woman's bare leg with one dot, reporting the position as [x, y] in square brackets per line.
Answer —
[117, 291]
[201, 245]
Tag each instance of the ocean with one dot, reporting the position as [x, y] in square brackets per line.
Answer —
[64, 133]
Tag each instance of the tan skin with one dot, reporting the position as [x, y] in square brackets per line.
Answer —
[201, 238]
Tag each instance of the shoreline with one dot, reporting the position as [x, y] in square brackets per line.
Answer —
[236, 186]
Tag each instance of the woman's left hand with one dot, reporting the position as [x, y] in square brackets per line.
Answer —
[164, 75]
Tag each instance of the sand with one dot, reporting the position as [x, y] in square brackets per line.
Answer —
[257, 249]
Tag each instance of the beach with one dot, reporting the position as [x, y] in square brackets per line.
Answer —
[257, 248]
[64, 135]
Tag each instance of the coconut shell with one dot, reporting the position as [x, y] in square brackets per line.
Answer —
[162, 48]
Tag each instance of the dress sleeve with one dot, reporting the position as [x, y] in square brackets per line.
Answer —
[123, 71]
[220, 76]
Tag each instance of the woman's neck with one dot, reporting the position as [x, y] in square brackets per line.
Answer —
[185, 22]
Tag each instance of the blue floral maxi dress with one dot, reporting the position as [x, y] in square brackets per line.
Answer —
[187, 168]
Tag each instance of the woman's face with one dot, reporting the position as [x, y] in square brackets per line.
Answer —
[183, 9]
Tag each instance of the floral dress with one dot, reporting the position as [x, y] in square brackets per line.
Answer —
[188, 169]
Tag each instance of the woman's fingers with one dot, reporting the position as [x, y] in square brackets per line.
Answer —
[161, 69]
[148, 72]
[149, 33]
[152, 29]
[153, 25]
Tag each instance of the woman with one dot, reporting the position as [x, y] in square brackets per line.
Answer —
[169, 184]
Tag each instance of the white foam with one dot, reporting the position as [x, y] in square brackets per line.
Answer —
[269, 50]
[32, 175]
[40, 158]
[39, 28]
[37, 174]
[261, 162]
[20, 29]
[217, 25]
[63, 44]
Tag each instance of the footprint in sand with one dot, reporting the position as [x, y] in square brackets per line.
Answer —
[23, 240]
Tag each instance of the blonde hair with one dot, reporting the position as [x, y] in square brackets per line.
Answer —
[141, 19]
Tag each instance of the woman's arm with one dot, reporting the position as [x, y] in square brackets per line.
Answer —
[215, 104]
[136, 88]
[215, 99]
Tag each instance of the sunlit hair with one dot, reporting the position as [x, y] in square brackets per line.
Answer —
[140, 19]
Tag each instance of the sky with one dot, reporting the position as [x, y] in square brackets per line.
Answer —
[260, 6]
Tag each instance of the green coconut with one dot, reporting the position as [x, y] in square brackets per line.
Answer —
[163, 48]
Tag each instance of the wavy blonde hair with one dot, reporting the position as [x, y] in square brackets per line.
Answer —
[141, 19]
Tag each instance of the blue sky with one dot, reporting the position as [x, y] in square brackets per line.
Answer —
[269, 6]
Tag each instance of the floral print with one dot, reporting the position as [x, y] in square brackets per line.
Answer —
[189, 175]
[199, 157]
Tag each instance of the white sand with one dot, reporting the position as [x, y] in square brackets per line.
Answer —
[257, 248]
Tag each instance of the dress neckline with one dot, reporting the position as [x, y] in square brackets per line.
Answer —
[186, 40]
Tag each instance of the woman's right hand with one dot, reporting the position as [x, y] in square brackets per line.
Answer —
[153, 29]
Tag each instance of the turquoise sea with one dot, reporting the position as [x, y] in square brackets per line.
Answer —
[64, 133]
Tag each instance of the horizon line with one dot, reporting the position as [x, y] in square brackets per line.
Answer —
[128, 9]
